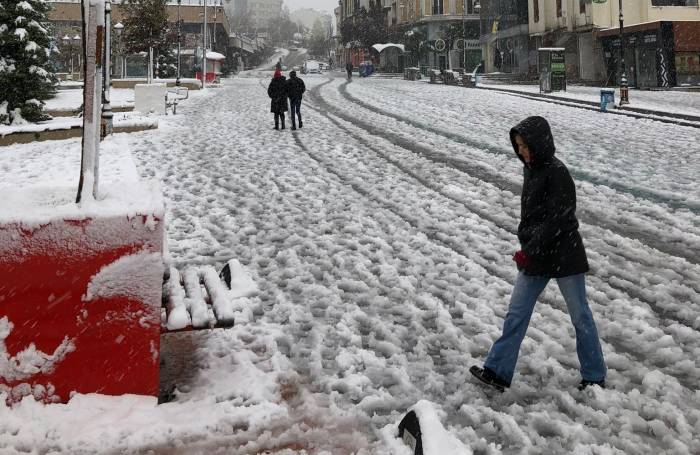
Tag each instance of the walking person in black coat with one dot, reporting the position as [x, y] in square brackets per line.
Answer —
[295, 91]
[551, 247]
[277, 91]
[348, 69]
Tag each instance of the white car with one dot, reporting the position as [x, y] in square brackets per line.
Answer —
[312, 66]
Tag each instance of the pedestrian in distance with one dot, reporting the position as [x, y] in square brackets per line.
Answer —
[348, 69]
[551, 248]
[277, 91]
[295, 91]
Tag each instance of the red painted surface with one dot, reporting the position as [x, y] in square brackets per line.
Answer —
[211, 77]
[44, 276]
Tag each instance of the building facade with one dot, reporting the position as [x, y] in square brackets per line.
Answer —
[505, 36]
[660, 37]
[65, 17]
[445, 33]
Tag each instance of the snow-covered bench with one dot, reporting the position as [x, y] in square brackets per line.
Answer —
[200, 298]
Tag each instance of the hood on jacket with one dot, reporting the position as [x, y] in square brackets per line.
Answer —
[537, 134]
[292, 74]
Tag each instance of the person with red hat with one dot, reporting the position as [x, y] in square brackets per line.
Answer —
[277, 91]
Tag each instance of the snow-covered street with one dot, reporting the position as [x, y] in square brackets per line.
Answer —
[380, 236]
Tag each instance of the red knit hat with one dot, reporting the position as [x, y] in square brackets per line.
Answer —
[278, 73]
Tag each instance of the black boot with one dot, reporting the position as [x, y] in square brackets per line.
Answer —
[283, 122]
[300, 123]
[585, 383]
[489, 378]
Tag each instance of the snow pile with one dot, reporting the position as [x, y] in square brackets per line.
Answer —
[29, 361]
[136, 276]
[38, 187]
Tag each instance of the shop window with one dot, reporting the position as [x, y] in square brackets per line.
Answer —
[688, 64]
[536, 9]
[558, 8]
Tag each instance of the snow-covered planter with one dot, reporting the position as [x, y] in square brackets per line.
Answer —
[80, 294]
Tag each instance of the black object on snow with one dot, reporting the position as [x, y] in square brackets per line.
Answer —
[225, 275]
[409, 432]
[489, 378]
[584, 384]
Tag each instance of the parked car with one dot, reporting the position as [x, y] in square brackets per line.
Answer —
[311, 67]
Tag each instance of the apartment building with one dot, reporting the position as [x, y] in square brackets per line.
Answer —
[66, 20]
[661, 39]
[448, 26]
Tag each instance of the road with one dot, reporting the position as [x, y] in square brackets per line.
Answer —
[380, 235]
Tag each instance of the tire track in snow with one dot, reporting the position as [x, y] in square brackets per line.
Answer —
[607, 286]
[602, 283]
[443, 239]
[410, 146]
[642, 193]
[486, 174]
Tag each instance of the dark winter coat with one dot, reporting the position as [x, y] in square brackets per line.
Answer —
[548, 230]
[348, 67]
[295, 87]
[277, 90]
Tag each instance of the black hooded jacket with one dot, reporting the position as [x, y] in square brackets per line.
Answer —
[548, 230]
[295, 87]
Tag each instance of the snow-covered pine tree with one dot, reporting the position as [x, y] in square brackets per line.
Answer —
[26, 75]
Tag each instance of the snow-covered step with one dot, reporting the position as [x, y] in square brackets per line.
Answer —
[199, 298]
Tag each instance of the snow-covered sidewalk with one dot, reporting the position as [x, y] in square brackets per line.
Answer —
[670, 101]
[380, 237]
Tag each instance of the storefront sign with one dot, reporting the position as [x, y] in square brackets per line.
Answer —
[557, 66]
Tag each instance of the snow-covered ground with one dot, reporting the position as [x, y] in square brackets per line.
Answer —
[681, 102]
[380, 237]
[73, 98]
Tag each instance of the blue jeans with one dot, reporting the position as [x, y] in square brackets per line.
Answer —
[504, 352]
[295, 106]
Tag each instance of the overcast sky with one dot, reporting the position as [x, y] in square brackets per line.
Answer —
[321, 5]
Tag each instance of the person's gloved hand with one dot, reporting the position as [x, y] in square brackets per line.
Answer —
[522, 259]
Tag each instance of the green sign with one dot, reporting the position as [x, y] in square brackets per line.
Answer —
[600, 1]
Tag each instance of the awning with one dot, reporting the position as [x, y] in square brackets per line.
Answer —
[211, 55]
[630, 29]
[380, 47]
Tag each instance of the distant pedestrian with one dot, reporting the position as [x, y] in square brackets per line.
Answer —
[348, 69]
[295, 91]
[277, 91]
[278, 66]
[551, 248]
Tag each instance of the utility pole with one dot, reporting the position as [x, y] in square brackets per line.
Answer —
[204, 47]
[464, 36]
[624, 88]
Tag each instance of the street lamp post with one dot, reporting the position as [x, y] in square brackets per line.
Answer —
[464, 37]
[118, 28]
[624, 88]
[67, 42]
[179, 40]
[107, 114]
